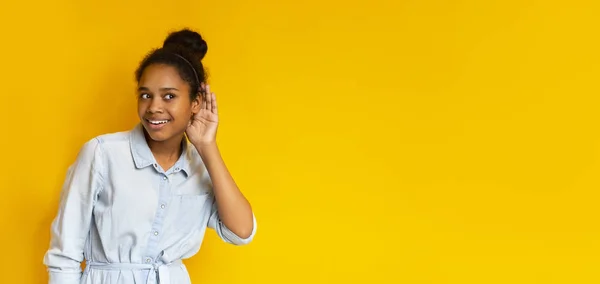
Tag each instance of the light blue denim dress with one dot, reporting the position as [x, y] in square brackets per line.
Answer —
[129, 219]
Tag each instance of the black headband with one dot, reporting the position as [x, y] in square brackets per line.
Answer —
[193, 69]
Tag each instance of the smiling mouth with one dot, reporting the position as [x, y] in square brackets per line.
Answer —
[157, 122]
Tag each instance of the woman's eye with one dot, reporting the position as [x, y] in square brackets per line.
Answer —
[169, 96]
[144, 96]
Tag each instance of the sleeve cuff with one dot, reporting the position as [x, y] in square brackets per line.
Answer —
[230, 237]
[64, 277]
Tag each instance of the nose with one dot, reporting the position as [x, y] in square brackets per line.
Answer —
[155, 105]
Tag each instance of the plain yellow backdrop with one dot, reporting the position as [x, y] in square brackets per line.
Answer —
[378, 141]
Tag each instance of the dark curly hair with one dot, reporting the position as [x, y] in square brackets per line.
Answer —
[184, 50]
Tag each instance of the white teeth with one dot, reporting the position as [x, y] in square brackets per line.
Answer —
[158, 121]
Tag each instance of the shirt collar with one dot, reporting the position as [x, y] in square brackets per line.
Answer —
[143, 157]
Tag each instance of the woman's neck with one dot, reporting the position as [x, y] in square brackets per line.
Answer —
[166, 152]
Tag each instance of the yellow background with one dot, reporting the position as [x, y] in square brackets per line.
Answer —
[378, 141]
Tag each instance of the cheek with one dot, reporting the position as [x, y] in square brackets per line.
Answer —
[141, 108]
[181, 111]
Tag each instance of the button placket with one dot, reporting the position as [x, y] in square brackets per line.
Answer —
[157, 224]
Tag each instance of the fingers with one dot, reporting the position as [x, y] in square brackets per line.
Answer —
[209, 100]
[203, 103]
[214, 103]
[202, 94]
[208, 97]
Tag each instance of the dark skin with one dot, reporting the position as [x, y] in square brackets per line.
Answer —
[163, 95]
[168, 114]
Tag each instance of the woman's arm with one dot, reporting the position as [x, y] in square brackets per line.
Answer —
[71, 225]
[233, 208]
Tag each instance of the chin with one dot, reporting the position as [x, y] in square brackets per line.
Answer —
[160, 135]
[156, 137]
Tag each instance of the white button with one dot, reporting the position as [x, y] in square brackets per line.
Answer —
[148, 260]
[164, 178]
[176, 169]
[155, 233]
[163, 206]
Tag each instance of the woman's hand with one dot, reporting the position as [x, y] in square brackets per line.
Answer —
[202, 130]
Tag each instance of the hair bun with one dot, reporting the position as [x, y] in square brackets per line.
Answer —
[189, 40]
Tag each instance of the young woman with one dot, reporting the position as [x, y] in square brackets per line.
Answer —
[135, 203]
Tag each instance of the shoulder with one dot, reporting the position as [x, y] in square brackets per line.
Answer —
[194, 157]
[100, 144]
[114, 142]
[196, 165]
[113, 138]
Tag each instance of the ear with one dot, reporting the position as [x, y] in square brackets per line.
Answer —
[197, 103]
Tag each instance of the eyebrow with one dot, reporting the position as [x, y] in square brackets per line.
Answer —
[162, 89]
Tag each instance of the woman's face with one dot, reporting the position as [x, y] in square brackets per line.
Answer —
[164, 104]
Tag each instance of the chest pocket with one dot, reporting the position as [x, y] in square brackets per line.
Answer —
[191, 202]
[190, 212]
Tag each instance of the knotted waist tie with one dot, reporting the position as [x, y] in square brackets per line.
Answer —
[157, 270]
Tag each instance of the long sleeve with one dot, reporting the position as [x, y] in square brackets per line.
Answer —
[70, 228]
[224, 233]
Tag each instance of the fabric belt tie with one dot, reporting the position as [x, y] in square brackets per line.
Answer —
[157, 270]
